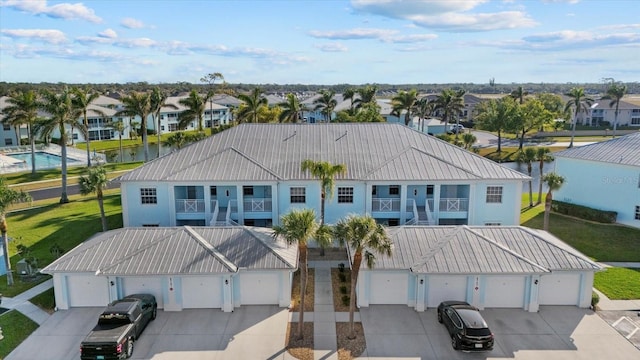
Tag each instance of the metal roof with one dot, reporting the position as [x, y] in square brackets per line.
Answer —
[479, 250]
[176, 251]
[378, 150]
[623, 150]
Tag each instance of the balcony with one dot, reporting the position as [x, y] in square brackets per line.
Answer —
[385, 205]
[454, 204]
[257, 205]
[189, 206]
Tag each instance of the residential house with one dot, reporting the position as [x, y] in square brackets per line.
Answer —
[601, 113]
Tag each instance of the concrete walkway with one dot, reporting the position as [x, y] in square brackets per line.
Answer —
[21, 302]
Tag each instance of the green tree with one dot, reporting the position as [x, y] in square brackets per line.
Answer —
[554, 182]
[138, 104]
[528, 156]
[178, 140]
[63, 113]
[120, 127]
[365, 238]
[543, 155]
[519, 94]
[449, 104]
[158, 101]
[82, 99]
[468, 139]
[196, 105]
[251, 105]
[298, 227]
[326, 103]
[579, 102]
[553, 105]
[423, 109]
[366, 95]
[615, 92]
[497, 115]
[8, 197]
[22, 109]
[531, 115]
[349, 94]
[404, 101]
[94, 183]
[291, 109]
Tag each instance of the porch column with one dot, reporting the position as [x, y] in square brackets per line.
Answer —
[227, 293]
[403, 203]
[368, 198]
[534, 306]
[208, 211]
[240, 201]
[421, 285]
[471, 203]
[275, 213]
[113, 287]
[436, 203]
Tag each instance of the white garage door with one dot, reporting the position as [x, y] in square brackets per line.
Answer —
[443, 288]
[388, 288]
[201, 292]
[504, 291]
[87, 290]
[259, 288]
[138, 285]
[559, 289]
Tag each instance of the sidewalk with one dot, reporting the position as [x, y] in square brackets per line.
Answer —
[22, 304]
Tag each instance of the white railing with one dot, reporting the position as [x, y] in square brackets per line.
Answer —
[454, 204]
[385, 204]
[214, 209]
[189, 206]
[257, 205]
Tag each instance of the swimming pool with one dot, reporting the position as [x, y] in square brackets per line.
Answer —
[44, 160]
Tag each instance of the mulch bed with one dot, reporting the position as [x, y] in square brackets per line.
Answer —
[300, 349]
[309, 295]
[350, 349]
[338, 305]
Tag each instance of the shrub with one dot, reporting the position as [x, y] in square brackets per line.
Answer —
[595, 299]
[342, 277]
[343, 289]
[583, 212]
[341, 267]
[345, 300]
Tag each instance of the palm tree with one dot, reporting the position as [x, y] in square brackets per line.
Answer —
[177, 140]
[120, 127]
[404, 101]
[291, 109]
[82, 99]
[196, 105]
[519, 94]
[8, 197]
[23, 109]
[543, 155]
[95, 181]
[367, 95]
[138, 104]
[528, 156]
[158, 101]
[580, 102]
[615, 92]
[326, 103]
[63, 112]
[468, 139]
[298, 227]
[349, 94]
[423, 109]
[554, 182]
[450, 103]
[250, 109]
[365, 238]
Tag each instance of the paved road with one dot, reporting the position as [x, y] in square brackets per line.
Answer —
[54, 192]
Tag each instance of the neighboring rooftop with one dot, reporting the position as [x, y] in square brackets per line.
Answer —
[622, 150]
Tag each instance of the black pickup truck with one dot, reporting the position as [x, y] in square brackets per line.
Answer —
[119, 325]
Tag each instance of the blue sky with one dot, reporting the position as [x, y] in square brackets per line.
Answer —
[320, 41]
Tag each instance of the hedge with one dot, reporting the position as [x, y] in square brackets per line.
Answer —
[584, 212]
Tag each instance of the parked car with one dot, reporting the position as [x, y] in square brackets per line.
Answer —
[119, 325]
[467, 328]
[456, 128]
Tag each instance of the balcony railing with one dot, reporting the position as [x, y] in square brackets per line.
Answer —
[385, 204]
[257, 205]
[189, 206]
[454, 204]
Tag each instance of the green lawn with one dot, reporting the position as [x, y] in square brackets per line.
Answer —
[619, 283]
[508, 153]
[15, 328]
[45, 301]
[54, 174]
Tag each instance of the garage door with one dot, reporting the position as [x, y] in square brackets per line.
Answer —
[443, 288]
[559, 289]
[200, 292]
[389, 288]
[87, 290]
[259, 289]
[137, 285]
[504, 291]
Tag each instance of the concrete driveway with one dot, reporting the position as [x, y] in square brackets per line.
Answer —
[556, 332]
[251, 332]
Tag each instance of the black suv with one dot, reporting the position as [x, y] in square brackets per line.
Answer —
[466, 326]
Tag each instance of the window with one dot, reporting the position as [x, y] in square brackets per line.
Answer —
[8, 141]
[6, 127]
[150, 225]
[492, 223]
[247, 190]
[374, 190]
[494, 194]
[148, 196]
[394, 190]
[213, 191]
[345, 195]
[637, 217]
[298, 195]
[429, 189]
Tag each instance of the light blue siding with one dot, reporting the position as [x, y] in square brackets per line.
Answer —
[505, 213]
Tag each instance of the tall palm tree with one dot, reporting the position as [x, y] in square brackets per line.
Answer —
[210, 79]
[528, 156]
[95, 182]
[365, 238]
[291, 109]
[23, 110]
[349, 94]
[519, 94]
[450, 103]
[580, 102]
[554, 182]
[138, 104]
[252, 102]
[8, 197]
[82, 98]
[423, 109]
[63, 113]
[404, 101]
[298, 227]
[615, 92]
[543, 155]
[196, 105]
[120, 127]
[326, 103]
[158, 101]
[367, 95]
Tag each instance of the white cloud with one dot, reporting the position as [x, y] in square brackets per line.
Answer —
[131, 23]
[65, 11]
[384, 35]
[45, 35]
[108, 33]
[568, 40]
[332, 47]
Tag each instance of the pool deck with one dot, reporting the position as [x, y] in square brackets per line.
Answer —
[78, 156]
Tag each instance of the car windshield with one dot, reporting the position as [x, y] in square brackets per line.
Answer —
[472, 319]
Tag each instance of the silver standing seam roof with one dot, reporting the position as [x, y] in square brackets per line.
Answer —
[372, 151]
[479, 250]
[177, 251]
[624, 150]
